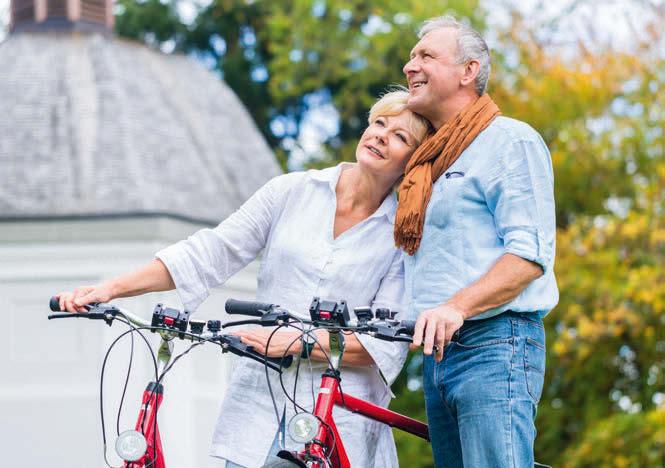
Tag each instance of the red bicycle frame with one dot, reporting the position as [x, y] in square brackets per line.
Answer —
[327, 444]
[147, 425]
[328, 438]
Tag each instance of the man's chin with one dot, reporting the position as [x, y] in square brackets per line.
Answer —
[418, 105]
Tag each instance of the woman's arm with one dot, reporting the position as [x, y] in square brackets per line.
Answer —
[151, 277]
[354, 352]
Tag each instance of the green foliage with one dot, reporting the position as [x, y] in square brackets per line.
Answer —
[353, 49]
[411, 450]
[606, 340]
[151, 21]
[306, 49]
[622, 441]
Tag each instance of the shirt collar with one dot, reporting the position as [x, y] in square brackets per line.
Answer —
[330, 175]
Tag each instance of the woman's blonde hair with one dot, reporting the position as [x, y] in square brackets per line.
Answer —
[393, 102]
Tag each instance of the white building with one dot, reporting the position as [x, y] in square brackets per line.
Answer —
[108, 152]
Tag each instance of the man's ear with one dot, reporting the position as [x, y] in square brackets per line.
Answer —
[471, 70]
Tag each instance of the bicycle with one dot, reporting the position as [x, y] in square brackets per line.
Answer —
[323, 446]
[142, 446]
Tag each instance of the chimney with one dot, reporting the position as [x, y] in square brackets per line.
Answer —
[72, 15]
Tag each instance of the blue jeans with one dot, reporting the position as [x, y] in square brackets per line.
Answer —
[481, 399]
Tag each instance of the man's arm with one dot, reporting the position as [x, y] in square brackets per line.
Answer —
[508, 277]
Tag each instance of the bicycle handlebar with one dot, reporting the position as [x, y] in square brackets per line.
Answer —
[97, 311]
[230, 343]
[408, 326]
[384, 327]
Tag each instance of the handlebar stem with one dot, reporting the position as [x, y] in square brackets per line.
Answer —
[164, 354]
[336, 345]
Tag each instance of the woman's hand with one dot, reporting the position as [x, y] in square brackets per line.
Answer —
[73, 301]
[281, 340]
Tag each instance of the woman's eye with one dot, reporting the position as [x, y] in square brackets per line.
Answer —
[380, 122]
[401, 137]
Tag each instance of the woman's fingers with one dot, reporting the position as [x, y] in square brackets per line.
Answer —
[76, 300]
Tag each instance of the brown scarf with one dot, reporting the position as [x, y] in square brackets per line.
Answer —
[432, 159]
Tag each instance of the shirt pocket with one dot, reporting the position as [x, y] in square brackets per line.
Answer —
[447, 195]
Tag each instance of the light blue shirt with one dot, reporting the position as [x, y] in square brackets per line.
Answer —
[497, 198]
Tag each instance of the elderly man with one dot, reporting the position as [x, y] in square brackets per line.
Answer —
[476, 216]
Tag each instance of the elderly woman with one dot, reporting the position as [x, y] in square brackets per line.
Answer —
[326, 233]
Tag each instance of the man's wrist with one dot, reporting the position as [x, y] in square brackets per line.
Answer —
[464, 312]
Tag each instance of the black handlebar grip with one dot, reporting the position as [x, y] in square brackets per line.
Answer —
[409, 326]
[256, 309]
[285, 361]
[54, 304]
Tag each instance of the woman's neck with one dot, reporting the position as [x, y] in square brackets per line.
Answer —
[360, 191]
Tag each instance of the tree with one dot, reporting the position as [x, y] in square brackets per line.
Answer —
[338, 60]
[603, 124]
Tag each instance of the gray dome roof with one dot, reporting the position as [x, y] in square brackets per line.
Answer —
[95, 125]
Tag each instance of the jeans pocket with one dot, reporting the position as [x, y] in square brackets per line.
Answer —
[483, 343]
[534, 367]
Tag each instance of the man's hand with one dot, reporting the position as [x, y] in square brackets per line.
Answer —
[279, 343]
[436, 327]
[73, 301]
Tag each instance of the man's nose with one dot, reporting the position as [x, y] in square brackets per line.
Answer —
[410, 67]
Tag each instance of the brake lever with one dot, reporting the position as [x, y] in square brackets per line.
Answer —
[269, 319]
[233, 344]
[95, 311]
[388, 333]
[87, 315]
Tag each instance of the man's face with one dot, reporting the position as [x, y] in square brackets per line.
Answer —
[432, 72]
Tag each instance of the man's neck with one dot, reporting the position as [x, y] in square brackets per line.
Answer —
[451, 107]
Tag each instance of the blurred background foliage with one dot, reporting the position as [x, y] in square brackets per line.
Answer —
[309, 70]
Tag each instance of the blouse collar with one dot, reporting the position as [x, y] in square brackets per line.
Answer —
[331, 176]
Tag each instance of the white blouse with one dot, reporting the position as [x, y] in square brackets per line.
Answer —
[291, 219]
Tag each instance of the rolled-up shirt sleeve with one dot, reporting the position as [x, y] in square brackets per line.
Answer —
[210, 256]
[520, 194]
[389, 356]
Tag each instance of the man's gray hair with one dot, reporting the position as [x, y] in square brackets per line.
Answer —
[470, 46]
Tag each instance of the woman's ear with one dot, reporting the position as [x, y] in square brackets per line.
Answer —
[471, 70]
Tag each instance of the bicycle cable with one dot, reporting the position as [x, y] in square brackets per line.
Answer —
[131, 331]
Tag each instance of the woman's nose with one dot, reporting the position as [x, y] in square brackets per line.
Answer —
[381, 135]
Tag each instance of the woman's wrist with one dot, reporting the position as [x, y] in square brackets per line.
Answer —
[112, 288]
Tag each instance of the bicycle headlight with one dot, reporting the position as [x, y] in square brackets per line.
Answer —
[131, 445]
[303, 427]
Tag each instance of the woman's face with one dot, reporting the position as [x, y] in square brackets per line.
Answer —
[387, 144]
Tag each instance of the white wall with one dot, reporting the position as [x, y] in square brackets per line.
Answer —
[50, 370]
